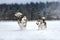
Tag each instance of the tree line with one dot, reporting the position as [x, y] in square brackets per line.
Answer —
[32, 10]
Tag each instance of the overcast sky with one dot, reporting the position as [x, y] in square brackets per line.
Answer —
[24, 1]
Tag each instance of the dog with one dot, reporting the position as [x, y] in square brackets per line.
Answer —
[41, 24]
[22, 20]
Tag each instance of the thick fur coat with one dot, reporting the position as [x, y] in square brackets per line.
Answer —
[22, 20]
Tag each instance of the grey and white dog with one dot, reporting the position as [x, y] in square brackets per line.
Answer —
[41, 23]
[22, 20]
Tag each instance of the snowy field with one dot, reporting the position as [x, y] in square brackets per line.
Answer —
[9, 30]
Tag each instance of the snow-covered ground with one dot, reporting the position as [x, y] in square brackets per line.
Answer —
[9, 30]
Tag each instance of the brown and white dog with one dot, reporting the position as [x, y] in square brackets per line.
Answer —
[41, 24]
[22, 20]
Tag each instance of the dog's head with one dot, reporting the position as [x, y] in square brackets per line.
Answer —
[18, 14]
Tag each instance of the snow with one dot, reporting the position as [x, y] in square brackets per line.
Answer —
[9, 30]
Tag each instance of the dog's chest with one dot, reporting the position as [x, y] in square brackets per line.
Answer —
[42, 24]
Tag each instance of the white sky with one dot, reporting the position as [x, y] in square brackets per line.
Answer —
[24, 1]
